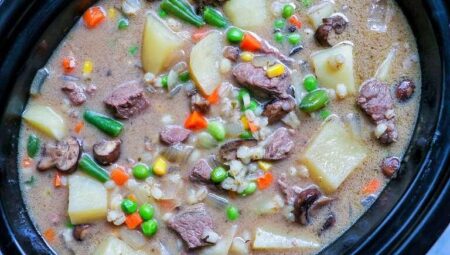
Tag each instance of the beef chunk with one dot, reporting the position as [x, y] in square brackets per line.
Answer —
[255, 79]
[127, 100]
[268, 49]
[278, 108]
[173, 134]
[199, 103]
[63, 155]
[405, 89]
[228, 151]
[107, 152]
[336, 23]
[74, 92]
[201, 171]
[231, 52]
[390, 166]
[278, 145]
[193, 224]
[376, 101]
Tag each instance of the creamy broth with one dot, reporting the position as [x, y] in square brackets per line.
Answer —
[116, 55]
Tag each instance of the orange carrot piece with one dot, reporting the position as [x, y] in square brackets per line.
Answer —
[250, 43]
[167, 204]
[214, 97]
[78, 127]
[68, 64]
[295, 21]
[94, 16]
[200, 34]
[57, 180]
[49, 234]
[132, 197]
[119, 176]
[264, 181]
[133, 220]
[26, 162]
[252, 126]
[195, 121]
[371, 187]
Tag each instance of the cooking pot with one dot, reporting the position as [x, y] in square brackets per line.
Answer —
[407, 218]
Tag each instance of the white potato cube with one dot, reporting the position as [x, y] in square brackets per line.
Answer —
[114, 246]
[320, 11]
[334, 66]
[248, 14]
[46, 120]
[333, 154]
[265, 240]
[87, 200]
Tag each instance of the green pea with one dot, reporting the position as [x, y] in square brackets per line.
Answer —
[162, 13]
[149, 228]
[184, 76]
[288, 11]
[314, 101]
[278, 37]
[279, 23]
[219, 174]
[122, 24]
[232, 213]
[252, 106]
[294, 38]
[165, 81]
[33, 145]
[141, 171]
[310, 83]
[246, 135]
[146, 211]
[251, 188]
[243, 92]
[128, 206]
[235, 35]
[217, 130]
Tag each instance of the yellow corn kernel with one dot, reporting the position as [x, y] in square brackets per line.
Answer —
[244, 122]
[160, 166]
[247, 56]
[88, 67]
[112, 13]
[265, 166]
[275, 70]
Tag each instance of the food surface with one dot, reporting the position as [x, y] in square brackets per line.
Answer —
[217, 126]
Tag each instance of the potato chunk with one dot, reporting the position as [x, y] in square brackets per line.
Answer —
[248, 14]
[114, 246]
[87, 200]
[204, 63]
[265, 240]
[159, 45]
[320, 11]
[46, 120]
[334, 66]
[333, 154]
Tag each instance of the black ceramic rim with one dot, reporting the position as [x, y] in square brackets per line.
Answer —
[409, 215]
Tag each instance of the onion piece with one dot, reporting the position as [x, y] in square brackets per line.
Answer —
[206, 141]
[234, 129]
[216, 201]
[264, 61]
[131, 7]
[177, 153]
[132, 237]
[36, 85]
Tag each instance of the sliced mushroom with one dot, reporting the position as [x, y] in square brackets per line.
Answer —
[329, 222]
[228, 151]
[303, 204]
[107, 152]
[80, 232]
[63, 155]
[337, 23]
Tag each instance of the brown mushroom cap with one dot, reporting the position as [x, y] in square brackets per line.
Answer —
[79, 232]
[63, 155]
[337, 23]
[107, 152]
[303, 204]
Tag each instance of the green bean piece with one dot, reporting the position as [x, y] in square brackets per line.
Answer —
[183, 11]
[106, 124]
[314, 101]
[214, 18]
[88, 165]
[184, 76]
[33, 145]
[246, 135]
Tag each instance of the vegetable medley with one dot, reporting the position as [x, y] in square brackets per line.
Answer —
[217, 126]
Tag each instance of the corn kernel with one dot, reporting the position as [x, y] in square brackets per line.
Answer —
[275, 70]
[88, 67]
[112, 13]
[247, 56]
[244, 122]
[265, 166]
[160, 166]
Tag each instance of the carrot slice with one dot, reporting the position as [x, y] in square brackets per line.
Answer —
[264, 181]
[133, 220]
[94, 16]
[49, 234]
[195, 121]
[57, 180]
[78, 127]
[250, 43]
[371, 187]
[26, 162]
[119, 176]
[295, 21]
[252, 126]
[167, 204]
[214, 97]
[200, 33]
[68, 64]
